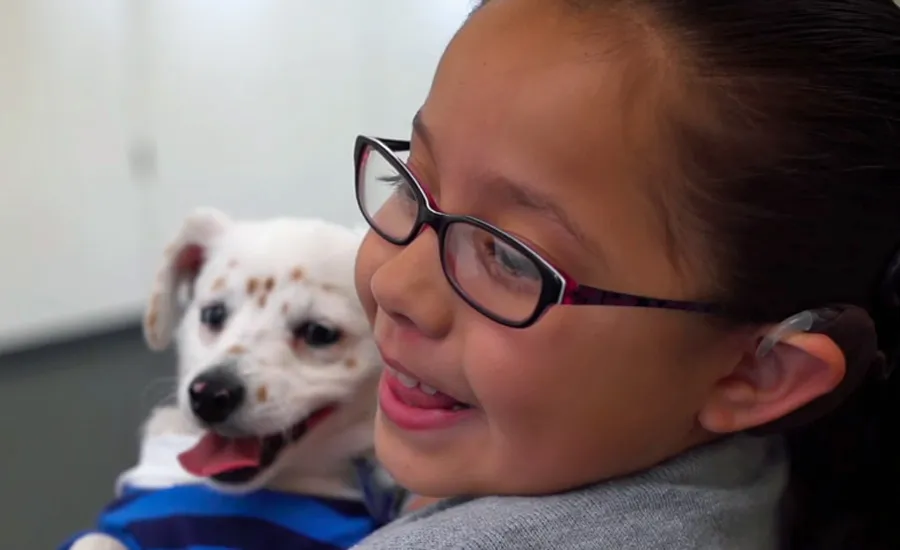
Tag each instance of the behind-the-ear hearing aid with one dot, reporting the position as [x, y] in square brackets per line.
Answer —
[853, 331]
[810, 320]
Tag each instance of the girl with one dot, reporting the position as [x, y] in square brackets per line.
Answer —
[632, 268]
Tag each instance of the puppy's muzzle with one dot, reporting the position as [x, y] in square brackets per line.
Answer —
[216, 394]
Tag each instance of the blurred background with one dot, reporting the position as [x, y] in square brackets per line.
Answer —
[117, 117]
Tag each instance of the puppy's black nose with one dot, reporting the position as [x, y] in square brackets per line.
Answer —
[216, 394]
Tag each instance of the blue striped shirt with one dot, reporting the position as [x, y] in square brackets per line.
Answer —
[195, 517]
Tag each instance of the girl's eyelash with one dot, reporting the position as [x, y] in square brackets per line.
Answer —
[390, 179]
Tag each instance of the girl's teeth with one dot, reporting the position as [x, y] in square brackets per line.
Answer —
[410, 382]
[407, 381]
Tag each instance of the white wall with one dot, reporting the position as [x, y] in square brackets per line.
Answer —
[404, 41]
[248, 105]
[69, 240]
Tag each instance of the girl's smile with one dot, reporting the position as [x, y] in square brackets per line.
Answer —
[412, 405]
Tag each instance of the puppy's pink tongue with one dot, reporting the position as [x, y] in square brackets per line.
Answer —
[215, 454]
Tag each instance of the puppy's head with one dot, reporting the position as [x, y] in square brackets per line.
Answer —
[276, 359]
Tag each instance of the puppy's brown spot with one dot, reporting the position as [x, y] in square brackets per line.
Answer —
[262, 394]
[296, 274]
[152, 318]
[350, 363]
[284, 308]
[232, 263]
[270, 284]
[328, 287]
[252, 285]
[262, 300]
[219, 284]
[237, 350]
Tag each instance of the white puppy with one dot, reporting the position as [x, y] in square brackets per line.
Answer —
[277, 368]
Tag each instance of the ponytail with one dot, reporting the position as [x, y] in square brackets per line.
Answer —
[845, 467]
[845, 475]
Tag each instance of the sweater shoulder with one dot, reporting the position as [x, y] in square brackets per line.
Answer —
[709, 505]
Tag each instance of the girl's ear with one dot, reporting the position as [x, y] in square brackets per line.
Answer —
[799, 369]
[180, 266]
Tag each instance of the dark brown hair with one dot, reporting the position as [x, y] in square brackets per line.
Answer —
[792, 179]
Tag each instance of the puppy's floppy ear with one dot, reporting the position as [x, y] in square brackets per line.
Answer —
[182, 262]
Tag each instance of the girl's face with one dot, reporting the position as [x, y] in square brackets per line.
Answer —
[531, 127]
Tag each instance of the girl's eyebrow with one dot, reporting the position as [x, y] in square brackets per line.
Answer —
[541, 203]
[421, 130]
[520, 195]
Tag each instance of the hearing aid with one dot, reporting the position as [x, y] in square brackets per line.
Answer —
[853, 331]
[805, 321]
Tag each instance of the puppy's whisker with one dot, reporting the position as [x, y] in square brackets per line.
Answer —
[283, 413]
[167, 399]
[279, 409]
[168, 380]
[171, 385]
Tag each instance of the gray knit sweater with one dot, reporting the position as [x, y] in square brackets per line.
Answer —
[723, 496]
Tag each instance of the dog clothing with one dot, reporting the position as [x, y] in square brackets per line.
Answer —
[162, 507]
[196, 517]
[722, 496]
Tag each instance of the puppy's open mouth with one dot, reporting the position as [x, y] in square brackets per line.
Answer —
[240, 459]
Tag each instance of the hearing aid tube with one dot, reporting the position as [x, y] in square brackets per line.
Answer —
[795, 324]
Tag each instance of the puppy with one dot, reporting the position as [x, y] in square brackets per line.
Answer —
[277, 376]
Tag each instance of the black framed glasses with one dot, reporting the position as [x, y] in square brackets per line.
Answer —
[493, 271]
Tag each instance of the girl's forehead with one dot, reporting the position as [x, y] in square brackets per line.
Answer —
[537, 96]
[537, 105]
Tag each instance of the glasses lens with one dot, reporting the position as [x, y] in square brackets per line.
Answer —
[388, 199]
[492, 272]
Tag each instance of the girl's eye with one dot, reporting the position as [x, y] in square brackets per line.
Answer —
[511, 262]
[399, 183]
[508, 268]
[392, 181]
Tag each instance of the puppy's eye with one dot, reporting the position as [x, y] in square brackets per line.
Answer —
[317, 335]
[214, 316]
